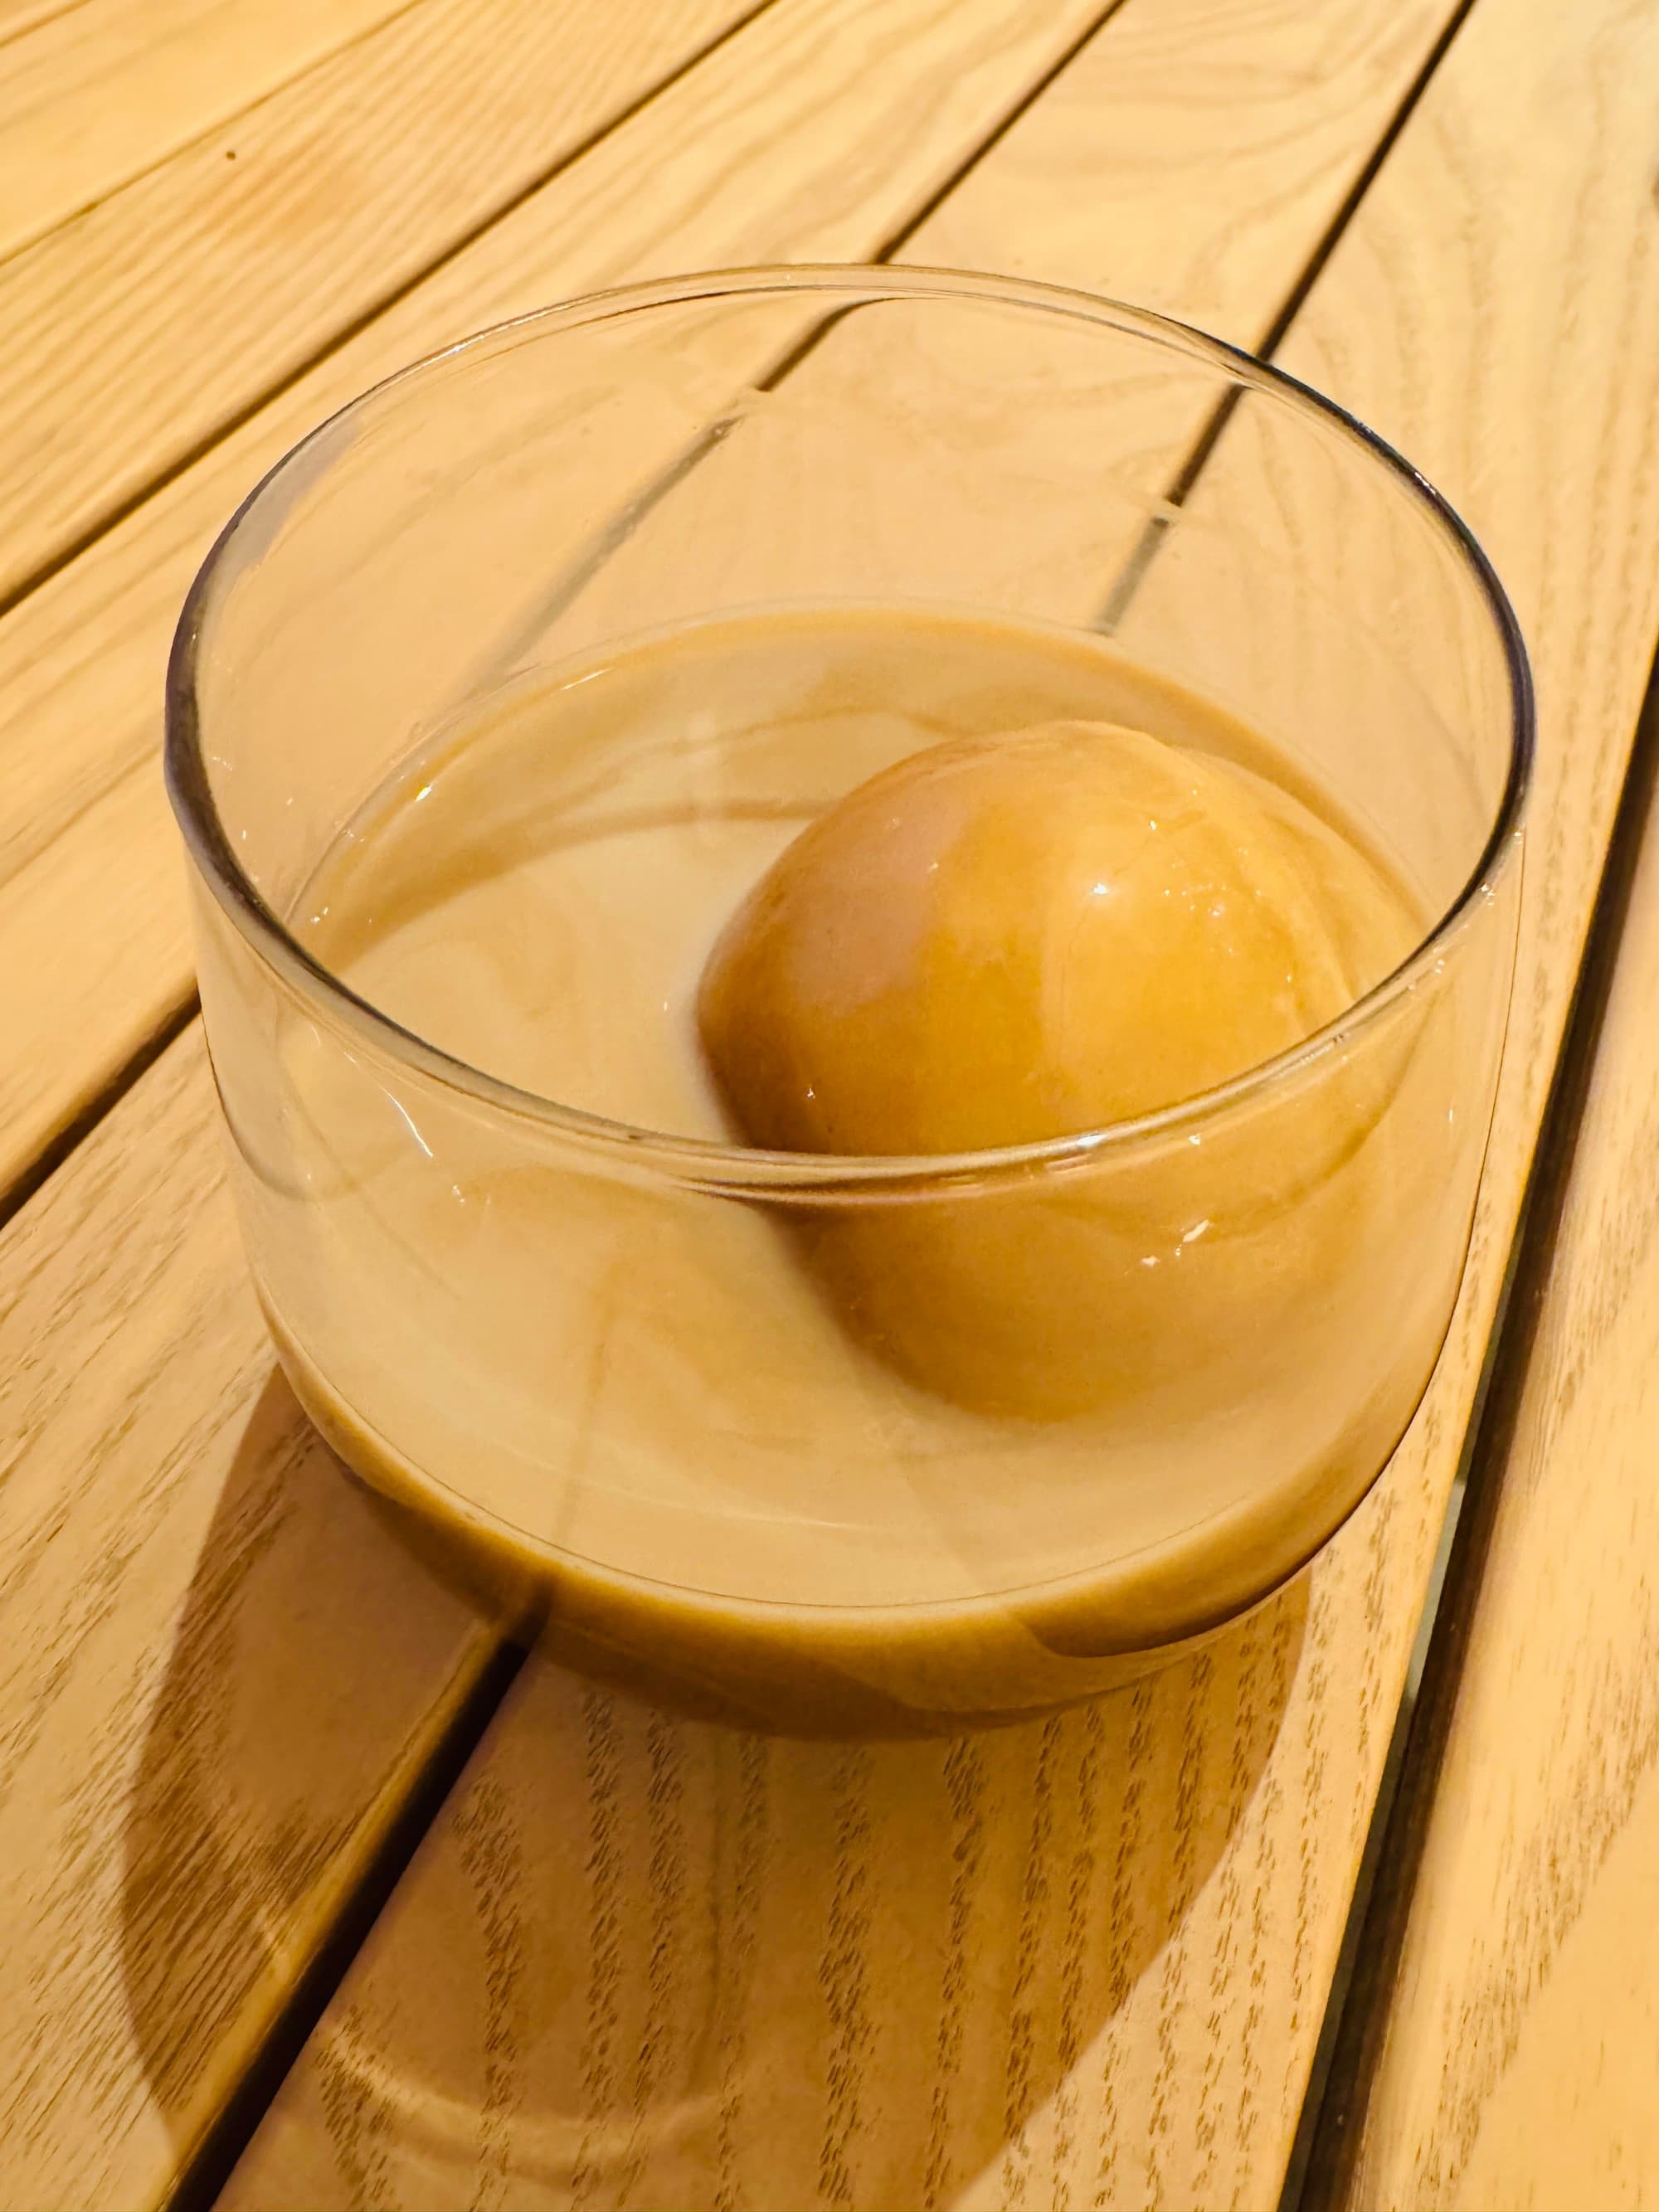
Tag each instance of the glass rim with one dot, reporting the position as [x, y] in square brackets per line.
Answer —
[722, 1166]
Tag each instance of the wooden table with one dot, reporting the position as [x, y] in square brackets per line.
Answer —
[311, 1894]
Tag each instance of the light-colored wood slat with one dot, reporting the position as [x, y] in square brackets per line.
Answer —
[1144, 1902]
[1066, 198]
[129, 338]
[647, 1962]
[81, 661]
[218, 1669]
[41, 2031]
[1488, 311]
[1259, 116]
[1519, 2030]
[196, 1767]
[18, 16]
[1466, 315]
[817, 133]
[90, 97]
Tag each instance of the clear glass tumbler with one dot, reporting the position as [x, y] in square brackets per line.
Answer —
[599, 1356]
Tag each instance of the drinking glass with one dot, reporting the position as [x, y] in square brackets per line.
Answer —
[605, 1361]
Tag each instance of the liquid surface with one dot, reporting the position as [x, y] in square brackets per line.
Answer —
[539, 892]
[665, 1383]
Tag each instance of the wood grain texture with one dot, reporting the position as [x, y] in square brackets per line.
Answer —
[220, 1670]
[1261, 116]
[1520, 2035]
[655, 1963]
[815, 133]
[132, 335]
[165, 2093]
[1468, 313]
[93, 94]
[18, 16]
[1465, 315]
[81, 661]
[1109, 180]
[1157, 2070]
[1486, 310]
[194, 1770]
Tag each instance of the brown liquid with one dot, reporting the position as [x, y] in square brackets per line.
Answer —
[639, 1391]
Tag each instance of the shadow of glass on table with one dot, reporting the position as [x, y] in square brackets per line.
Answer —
[284, 1754]
[652, 1959]
[645, 1958]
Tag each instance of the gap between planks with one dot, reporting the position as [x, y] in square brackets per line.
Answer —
[1543, 1011]
[112, 92]
[219, 2155]
[1339, 2125]
[180, 464]
[86, 742]
[52, 1156]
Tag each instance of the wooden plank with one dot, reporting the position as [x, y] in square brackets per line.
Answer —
[1144, 1904]
[1516, 2038]
[93, 96]
[815, 133]
[173, 306]
[1259, 117]
[1197, 2109]
[218, 1674]
[81, 661]
[18, 16]
[230, 1674]
[1462, 315]
[1066, 200]
[644, 1961]
[51, 2030]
